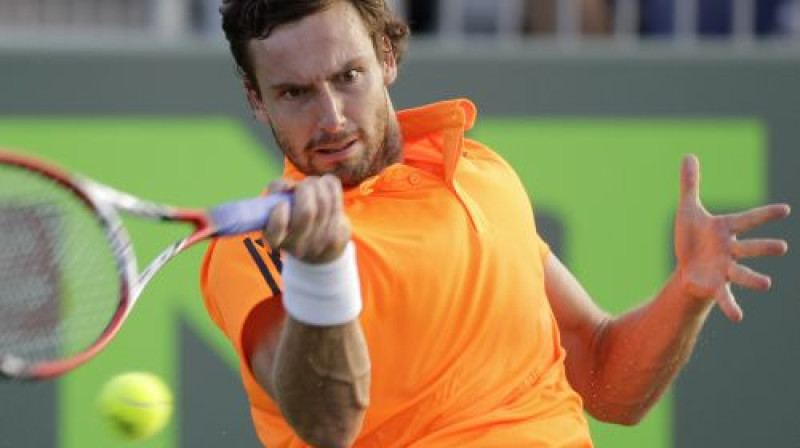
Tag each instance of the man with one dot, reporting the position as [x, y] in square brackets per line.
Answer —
[416, 304]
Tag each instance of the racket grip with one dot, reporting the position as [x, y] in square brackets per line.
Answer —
[245, 216]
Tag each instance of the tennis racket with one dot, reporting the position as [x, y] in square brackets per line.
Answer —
[68, 273]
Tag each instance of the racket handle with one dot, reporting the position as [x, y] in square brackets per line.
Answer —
[245, 216]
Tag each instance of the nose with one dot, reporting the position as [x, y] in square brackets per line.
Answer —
[331, 117]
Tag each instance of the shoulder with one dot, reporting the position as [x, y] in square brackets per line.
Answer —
[241, 261]
[473, 149]
[236, 274]
[488, 161]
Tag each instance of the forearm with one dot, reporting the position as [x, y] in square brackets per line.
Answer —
[317, 368]
[321, 379]
[638, 354]
[621, 366]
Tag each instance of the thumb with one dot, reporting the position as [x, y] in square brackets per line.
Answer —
[690, 179]
[276, 229]
[727, 303]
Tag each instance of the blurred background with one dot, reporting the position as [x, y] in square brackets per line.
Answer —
[739, 20]
[592, 101]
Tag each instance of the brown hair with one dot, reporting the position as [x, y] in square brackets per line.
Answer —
[244, 20]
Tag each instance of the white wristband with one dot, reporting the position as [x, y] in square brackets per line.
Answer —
[322, 294]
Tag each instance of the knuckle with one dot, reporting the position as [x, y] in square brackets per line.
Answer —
[344, 231]
[333, 181]
[332, 185]
[302, 188]
[273, 239]
[279, 185]
[275, 229]
[276, 184]
[302, 212]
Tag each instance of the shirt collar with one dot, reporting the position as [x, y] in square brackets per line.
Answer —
[421, 121]
[449, 118]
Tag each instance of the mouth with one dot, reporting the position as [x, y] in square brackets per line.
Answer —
[337, 151]
[336, 148]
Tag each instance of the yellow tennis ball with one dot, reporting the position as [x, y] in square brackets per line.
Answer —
[137, 404]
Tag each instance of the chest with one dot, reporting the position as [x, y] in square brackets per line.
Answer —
[435, 250]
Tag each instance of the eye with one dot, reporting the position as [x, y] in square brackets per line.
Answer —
[350, 75]
[292, 93]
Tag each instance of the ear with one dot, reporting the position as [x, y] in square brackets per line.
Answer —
[254, 98]
[389, 63]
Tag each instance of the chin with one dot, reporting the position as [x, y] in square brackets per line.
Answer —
[350, 181]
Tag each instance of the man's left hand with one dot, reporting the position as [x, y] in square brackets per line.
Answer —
[709, 251]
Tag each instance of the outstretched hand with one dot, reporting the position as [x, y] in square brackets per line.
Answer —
[708, 250]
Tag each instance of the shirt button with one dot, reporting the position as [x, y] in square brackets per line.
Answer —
[414, 178]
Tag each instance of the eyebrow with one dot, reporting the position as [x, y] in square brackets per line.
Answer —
[352, 63]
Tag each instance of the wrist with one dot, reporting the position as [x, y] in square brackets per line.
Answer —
[690, 286]
[697, 300]
[324, 294]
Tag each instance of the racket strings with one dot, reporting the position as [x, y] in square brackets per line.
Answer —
[59, 285]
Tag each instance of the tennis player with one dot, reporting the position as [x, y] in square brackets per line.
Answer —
[405, 298]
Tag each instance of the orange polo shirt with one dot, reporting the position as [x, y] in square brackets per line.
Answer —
[464, 347]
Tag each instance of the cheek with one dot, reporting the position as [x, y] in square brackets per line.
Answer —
[370, 107]
[293, 131]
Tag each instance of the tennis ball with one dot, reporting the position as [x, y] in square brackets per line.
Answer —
[136, 404]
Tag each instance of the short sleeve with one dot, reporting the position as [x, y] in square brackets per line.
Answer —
[237, 274]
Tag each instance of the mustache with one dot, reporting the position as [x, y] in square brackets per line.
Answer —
[330, 138]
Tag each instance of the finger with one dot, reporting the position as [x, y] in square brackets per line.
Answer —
[690, 179]
[728, 305]
[750, 219]
[339, 225]
[277, 225]
[322, 197]
[759, 248]
[317, 239]
[281, 185]
[334, 187]
[744, 276]
[302, 218]
[328, 232]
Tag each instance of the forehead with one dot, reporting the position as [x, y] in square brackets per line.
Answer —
[313, 47]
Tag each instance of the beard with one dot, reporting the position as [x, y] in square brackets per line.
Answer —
[380, 149]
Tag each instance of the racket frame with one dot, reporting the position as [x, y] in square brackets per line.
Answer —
[106, 202]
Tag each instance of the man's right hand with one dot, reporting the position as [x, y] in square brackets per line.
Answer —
[314, 227]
